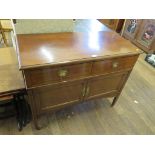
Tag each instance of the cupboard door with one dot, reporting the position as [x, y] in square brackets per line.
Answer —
[131, 28]
[50, 97]
[107, 86]
[146, 34]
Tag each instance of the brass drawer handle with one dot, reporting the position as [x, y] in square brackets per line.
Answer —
[115, 64]
[62, 72]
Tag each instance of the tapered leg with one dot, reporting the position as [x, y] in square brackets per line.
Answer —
[33, 110]
[35, 122]
[115, 100]
[116, 97]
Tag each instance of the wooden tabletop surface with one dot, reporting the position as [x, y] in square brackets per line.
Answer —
[11, 78]
[37, 50]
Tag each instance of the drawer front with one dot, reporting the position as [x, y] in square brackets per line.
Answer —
[52, 75]
[113, 65]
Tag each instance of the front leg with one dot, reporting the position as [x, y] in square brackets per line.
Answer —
[33, 110]
[115, 100]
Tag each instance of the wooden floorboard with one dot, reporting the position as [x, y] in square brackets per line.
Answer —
[134, 112]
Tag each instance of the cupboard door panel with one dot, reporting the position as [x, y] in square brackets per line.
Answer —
[105, 85]
[50, 97]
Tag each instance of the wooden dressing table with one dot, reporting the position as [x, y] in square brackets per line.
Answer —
[65, 68]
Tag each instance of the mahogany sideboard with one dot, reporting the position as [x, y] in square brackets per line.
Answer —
[71, 67]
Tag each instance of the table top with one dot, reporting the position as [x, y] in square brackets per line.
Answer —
[11, 78]
[37, 50]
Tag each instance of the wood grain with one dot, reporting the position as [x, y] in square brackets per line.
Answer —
[50, 75]
[64, 58]
[36, 50]
[102, 85]
[108, 66]
[97, 117]
[50, 98]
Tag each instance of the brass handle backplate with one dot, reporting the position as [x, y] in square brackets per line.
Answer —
[115, 64]
[62, 72]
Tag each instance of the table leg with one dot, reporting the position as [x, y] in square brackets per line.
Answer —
[36, 124]
[19, 112]
[23, 110]
[116, 97]
[115, 100]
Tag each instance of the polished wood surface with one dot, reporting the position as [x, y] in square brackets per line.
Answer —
[105, 85]
[36, 50]
[49, 98]
[113, 65]
[11, 78]
[134, 115]
[51, 75]
[53, 64]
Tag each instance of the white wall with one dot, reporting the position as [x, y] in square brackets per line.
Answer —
[29, 26]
